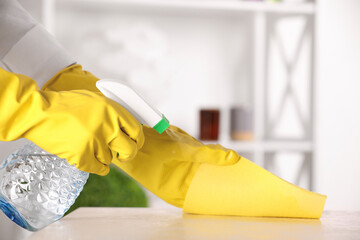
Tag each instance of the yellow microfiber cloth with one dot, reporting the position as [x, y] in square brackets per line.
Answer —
[245, 189]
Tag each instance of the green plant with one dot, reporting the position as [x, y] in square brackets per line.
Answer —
[116, 189]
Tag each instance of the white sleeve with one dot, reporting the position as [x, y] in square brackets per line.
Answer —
[37, 55]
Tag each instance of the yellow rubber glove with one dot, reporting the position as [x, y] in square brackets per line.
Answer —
[204, 179]
[209, 179]
[167, 162]
[81, 126]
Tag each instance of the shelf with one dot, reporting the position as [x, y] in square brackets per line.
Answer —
[266, 146]
[205, 5]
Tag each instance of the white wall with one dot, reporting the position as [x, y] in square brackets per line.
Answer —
[338, 103]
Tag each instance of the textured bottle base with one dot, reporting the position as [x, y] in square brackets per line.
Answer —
[37, 188]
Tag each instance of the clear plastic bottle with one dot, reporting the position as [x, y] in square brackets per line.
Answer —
[37, 188]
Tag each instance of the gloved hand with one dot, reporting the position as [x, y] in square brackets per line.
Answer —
[167, 162]
[204, 179]
[210, 179]
[81, 126]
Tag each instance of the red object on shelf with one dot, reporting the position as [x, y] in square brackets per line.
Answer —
[209, 124]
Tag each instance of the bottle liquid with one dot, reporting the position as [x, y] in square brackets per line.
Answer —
[37, 188]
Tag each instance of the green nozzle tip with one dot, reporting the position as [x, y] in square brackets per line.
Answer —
[161, 126]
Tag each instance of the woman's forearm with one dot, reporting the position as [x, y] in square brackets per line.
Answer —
[26, 47]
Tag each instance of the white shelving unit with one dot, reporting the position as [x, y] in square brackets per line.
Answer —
[263, 16]
[222, 6]
[206, 5]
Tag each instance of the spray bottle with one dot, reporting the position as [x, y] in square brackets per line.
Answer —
[37, 188]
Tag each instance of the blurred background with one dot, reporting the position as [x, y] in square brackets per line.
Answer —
[277, 81]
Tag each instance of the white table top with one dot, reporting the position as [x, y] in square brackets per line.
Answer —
[150, 223]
